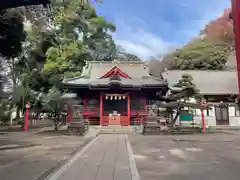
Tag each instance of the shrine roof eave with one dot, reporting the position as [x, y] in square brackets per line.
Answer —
[92, 88]
[74, 86]
[78, 86]
[120, 83]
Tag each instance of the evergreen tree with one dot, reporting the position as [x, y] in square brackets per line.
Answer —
[186, 81]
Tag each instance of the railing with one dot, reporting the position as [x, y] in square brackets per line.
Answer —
[90, 112]
[137, 121]
[139, 113]
[94, 121]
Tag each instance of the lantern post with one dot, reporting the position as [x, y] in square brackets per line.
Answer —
[26, 118]
[203, 103]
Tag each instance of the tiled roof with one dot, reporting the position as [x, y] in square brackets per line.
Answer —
[94, 70]
[69, 96]
[231, 63]
[208, 82]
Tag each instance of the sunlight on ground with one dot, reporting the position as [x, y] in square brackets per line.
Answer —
[140, 157]
[194, 149]
[178, 153]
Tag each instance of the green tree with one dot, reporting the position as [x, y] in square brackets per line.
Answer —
[132, 57]
[186, 81]
[123, 55]
[13, 3]
[53, 103]
[79, 34]
[201, 54]
[12, 33]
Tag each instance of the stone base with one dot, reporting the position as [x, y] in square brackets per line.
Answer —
[116, 129]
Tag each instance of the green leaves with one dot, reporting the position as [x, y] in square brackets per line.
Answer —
[53, 101]
[79, 35]
[99, 23]
[200, 54]
[186, 81]
[11, 33]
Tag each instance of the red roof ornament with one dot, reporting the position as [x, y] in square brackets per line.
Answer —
[115, 71]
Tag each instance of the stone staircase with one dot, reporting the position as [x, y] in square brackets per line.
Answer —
[116, 129]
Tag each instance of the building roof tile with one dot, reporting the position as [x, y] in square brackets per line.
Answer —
[208, 82]
[94, 70]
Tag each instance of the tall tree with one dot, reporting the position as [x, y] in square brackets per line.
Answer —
[13, 3]
[79, 34]
[11, 33]
[209, 51]
[199, 54]
[220, 28]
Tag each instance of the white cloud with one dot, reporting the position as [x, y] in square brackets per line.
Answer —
[140, 41]
[136, 37]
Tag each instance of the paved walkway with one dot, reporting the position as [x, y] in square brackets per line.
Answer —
[107, 157]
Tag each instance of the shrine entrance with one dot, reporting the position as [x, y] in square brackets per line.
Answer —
[115, 110]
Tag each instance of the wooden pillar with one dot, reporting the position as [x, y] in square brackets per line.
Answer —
[84, 104]
[101, 109]
[236, 20]
[69, 115]
[146, 103]
[129, 109]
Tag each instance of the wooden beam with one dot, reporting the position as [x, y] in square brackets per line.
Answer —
[129, 109]
[101, 109]
[84, 104]
[175, 105]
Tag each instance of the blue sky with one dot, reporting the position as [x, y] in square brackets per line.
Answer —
[154, 27]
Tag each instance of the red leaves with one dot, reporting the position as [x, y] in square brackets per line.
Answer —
[220, 28]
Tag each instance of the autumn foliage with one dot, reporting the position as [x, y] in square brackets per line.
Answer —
[220, 28]
[209, 51]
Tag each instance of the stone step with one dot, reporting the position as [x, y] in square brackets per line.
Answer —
[115, 127]
[116, 130]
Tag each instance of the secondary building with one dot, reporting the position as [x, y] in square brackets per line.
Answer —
[219, 88]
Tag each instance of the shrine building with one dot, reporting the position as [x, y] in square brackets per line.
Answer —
[115, 92]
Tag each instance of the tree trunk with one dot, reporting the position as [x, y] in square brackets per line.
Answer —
[56, 122]
[175, 118]
[14, 81]
[10, 115]
[17, 113]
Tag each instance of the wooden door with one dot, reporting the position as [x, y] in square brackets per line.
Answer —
[222, 117]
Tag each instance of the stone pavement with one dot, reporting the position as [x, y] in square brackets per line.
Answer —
[107, 157]
[37, 155]
[187, 157]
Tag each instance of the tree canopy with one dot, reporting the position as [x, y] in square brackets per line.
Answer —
[186, 82]
[42, 45]
[11, 33]
[208, 51]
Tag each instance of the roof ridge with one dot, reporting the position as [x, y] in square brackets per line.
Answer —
[202, 70]
[116, 61]
[74, 78]
[69, 79]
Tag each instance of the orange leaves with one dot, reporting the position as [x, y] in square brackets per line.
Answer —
[220, 28]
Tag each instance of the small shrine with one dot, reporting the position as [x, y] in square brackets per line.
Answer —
[115, 92]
